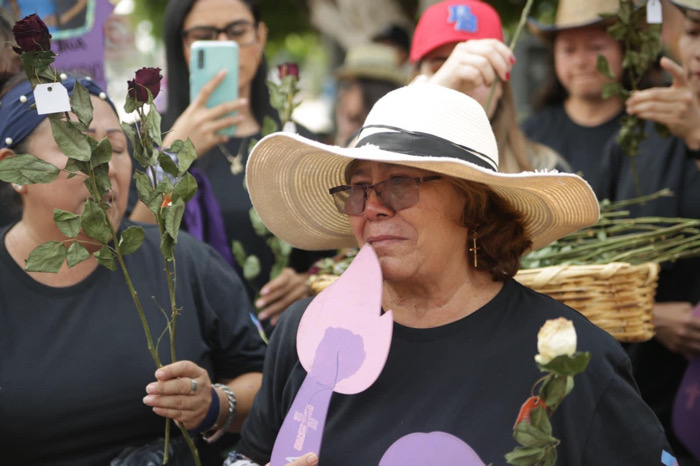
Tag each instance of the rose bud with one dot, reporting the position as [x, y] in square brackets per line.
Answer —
[557, 337]
[288, 69]
[146, 79]
[31, 35]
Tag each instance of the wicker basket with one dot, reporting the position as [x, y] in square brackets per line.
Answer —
[618, 297]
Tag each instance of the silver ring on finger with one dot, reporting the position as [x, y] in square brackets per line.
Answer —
[194, 386]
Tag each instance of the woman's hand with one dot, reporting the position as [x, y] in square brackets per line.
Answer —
[475, 63]
[278, 294]
[309, 459]
[172, 396]
[676, 107]
[676, 327]
[201, 124]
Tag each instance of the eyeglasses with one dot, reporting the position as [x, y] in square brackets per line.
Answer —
[395, 193]
[242, 32]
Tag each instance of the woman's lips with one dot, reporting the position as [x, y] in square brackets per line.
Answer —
[382, 239]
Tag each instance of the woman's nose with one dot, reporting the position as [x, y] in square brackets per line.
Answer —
[374, 207]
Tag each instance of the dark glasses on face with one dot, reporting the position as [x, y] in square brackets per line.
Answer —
[242, 32]
[395, 193]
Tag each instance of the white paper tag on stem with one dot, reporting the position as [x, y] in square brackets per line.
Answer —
[654, 11]
[51, 98]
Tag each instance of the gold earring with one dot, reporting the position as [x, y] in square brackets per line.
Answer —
[473, 250]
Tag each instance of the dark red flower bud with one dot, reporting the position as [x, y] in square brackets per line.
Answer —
[147, 79]
[288, 69]
[31, 35]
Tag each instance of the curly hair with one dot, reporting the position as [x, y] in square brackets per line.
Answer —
[496, 226]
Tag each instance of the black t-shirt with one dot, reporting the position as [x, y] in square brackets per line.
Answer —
[581, 146]
[234, 202]
[74, 362]
[469, 379]
[661, 163]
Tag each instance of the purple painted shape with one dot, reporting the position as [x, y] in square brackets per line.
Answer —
[84, 55]
[352, 302]
[686, 407]
[428, 449]
[339, 355]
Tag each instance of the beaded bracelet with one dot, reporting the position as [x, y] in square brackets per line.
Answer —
[229, 419]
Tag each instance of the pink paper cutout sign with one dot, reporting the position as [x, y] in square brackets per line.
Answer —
[686, 407]
[428, 449]
[343, 342]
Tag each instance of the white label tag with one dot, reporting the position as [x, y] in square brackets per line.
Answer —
[654, 12]
[51, 98]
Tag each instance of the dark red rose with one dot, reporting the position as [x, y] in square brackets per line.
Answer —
[147, 79]
[31, 35]
[288, 69]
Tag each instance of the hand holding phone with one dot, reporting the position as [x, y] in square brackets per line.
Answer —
[207, 58]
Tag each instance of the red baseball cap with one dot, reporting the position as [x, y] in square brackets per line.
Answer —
[454, 21]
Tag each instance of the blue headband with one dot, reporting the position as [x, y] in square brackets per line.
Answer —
[17, 117]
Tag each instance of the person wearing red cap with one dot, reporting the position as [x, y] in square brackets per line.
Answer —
[459, 44]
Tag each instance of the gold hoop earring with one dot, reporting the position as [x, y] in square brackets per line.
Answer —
[474, 250]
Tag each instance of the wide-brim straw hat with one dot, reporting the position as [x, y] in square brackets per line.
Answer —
[373, 61]
[424, 126]
[685, 5]
[572, 14]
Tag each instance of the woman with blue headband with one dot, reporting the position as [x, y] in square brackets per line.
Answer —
[77, 384]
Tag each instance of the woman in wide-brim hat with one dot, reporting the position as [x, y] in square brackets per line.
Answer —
[570, 114]
[422, 187]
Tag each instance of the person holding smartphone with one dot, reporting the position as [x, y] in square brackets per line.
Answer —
[222, 158]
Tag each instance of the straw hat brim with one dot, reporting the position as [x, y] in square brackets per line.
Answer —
[288, 178]
[546, 32]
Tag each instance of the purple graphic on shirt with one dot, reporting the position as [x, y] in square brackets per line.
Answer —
[434, 448]
[342, 342]
[686, 408]
[339, 356]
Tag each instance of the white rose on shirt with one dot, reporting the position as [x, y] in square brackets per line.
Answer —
[557, 337]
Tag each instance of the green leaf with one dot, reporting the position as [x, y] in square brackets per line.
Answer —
[131, 104]
[153, 120]
[76, 254]
[258, 225]
[167, 164]
[540, 420]
[611, 90]
[76, 166]
[47, 257]
[94, 222]
[145, 189]
[27, 169]
[285, 248]
[185, 156]
[167, 247]
[251, 267]
[530, 436]
[525, 456]
[80, 104]
[269, 126]
[553, 391]
[71, 141]
[102, 152]
[102, 181]
[173, 218]
[550, 457]
[568, 365]
[238, 252]
[105, 257]
[67, 222]
[131, 239]
[186, 188]
[604, 67]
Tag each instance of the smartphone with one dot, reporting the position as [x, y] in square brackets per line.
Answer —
[207, 58]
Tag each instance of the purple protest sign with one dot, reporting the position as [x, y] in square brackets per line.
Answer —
[343, 342]
[84, 53]
[420, 449]
[686, 408]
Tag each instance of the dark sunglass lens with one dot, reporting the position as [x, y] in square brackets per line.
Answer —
[355, 204]
[398, 193]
